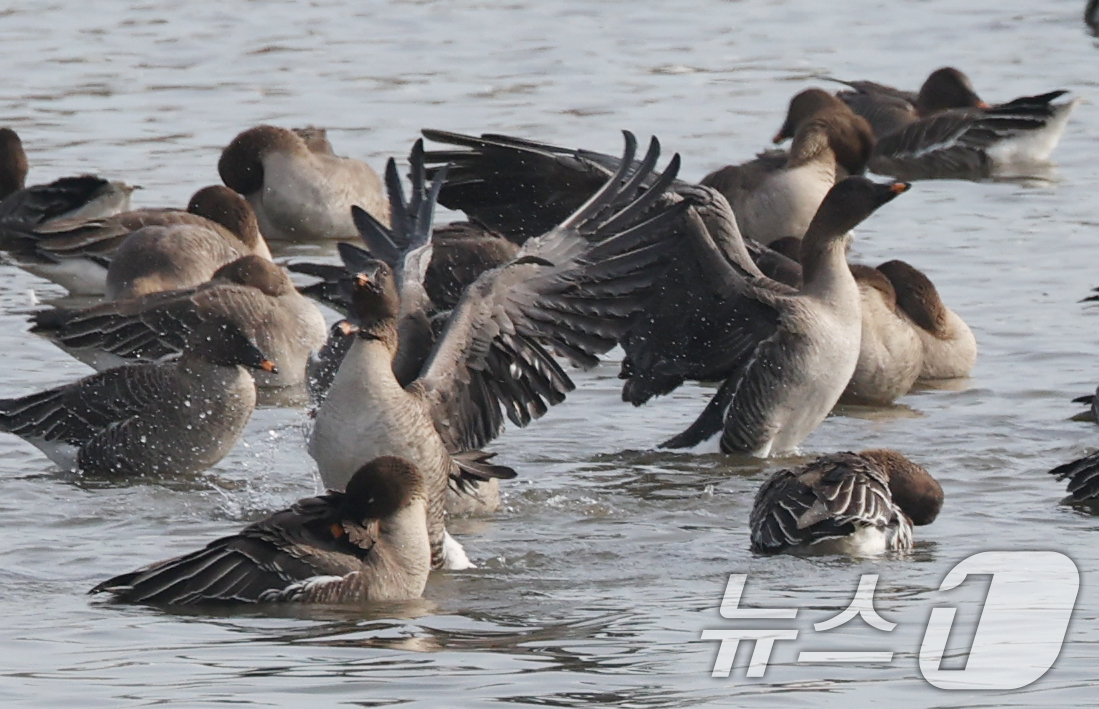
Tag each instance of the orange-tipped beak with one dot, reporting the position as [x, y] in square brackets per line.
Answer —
[983, 105]
[362, 280]
[899, 187]
[347, 328]
[268, 366]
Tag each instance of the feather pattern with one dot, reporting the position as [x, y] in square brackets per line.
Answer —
[829, 499]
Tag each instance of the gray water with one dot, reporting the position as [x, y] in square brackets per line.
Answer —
[608, 559]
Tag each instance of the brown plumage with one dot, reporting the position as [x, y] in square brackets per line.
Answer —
[368, 543]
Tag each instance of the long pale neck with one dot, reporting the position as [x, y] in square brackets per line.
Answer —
[826, 274]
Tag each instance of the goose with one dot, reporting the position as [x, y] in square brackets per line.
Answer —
[251, 292]
[573, 287]
[23, 208]
[888, 109]
[785, 354]
[178, 417]
[299, 189]
[890, 349]
[164, 257]
[459, 253]
[776, 195]
[949, 346]
[947, 131]
[845, 503]
[365, 544]
[513, 186]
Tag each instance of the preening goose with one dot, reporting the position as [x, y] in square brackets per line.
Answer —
[845, 503]
[368, 543]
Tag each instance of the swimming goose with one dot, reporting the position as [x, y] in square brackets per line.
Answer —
[845, 503]
[76, 252]
[946, 131]
[574, 288]
[888, 109]
[23, 208]
[252, 292]
[949, 347]
[178, 417]
[785, 354]
[368, 543]
[299, 190]
[776, 195]
[167, 257]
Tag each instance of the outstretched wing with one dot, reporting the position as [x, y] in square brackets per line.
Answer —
[518, 188]
[574, 288]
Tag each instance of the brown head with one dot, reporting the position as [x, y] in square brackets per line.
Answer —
[945, 89]
[870, 276]
[257, 272]
[227, 208]
[846, 205]
[916, 295]
[914, 490]
[221, 341]
[804, 106]
[375, 303]
[13, 163]
[380, 488]
[848, 134]
[241, 163]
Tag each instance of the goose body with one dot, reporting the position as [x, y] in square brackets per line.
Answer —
[857, 504]
[299, 189]
[364, 545]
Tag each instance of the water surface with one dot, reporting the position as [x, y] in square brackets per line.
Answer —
[608, 558]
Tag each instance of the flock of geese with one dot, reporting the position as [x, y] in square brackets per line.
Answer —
[448, 332]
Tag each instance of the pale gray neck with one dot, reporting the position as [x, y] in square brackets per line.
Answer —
[826, 273]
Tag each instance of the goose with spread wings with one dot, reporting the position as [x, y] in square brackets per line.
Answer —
[573, 288]
[784, 353]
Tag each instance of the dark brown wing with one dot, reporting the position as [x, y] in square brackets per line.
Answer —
[283, 557]
[74, 413]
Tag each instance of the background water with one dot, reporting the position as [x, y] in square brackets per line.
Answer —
[608, 559]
